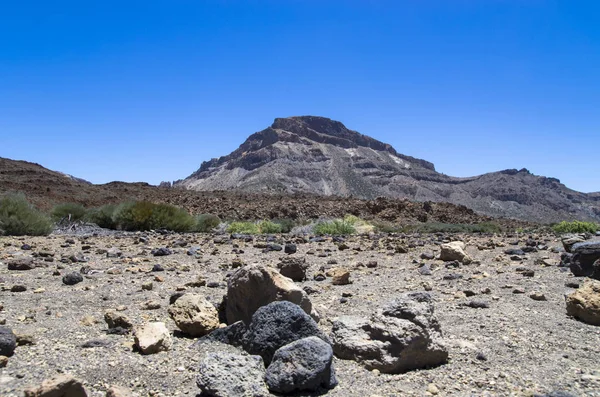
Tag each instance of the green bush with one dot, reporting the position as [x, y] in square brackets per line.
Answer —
[206, 222]
[575, 227]
[334, 227]
[268, 227]
[103, 216]
[243, 228]
[19, 218]
[286, 224]
[68, 211]
[144, 215]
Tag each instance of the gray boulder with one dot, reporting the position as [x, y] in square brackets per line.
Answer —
[294, 268]
[277, 324]
[403, 336]
[305, 364]
[228, 374]
[569, 240]
[583, 262]
[8, 341]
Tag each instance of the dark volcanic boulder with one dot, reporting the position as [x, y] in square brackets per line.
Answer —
[277, 324]
[305, 364]
[583, 261]
[8, 341]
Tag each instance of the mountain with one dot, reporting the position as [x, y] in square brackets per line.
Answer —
[317, 155]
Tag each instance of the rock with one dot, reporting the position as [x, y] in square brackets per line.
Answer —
[8, 341]
[114, 320]
[477, 304]
[161, 252]
[427, 256]
[232, 334]
[118, 391]
[254, 286]
[227, 374]
[153, 338]
[22, 264]
[18, 288]
[147, 286]
[113, 253]
[537, 296]
[60, 386]
[584, 261]
[340, 276]
[403, 336]
[294, 268]
[514, 252]
[425, 270]
[305, 364]
[194, 315]
[455, 251]
[277, 324]
[72, 278]
[290, 249]
[584, 303]
[569, 240]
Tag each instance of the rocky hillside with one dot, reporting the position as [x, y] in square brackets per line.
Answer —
[45, 188]
[321, 156]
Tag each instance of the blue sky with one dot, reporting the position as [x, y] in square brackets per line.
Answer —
[146, 91]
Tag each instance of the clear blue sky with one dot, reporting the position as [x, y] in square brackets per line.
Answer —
[147, 90]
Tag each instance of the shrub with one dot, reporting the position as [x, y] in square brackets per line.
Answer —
[18, 217]
[268, 227]
[360, 225]
[206, 222]
[103, 216]
[334, 227]
[575, 227]
[243, 228]
[144, 215]
[286, 224]
[69, 211]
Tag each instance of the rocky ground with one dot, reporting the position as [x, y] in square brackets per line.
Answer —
[502, 316]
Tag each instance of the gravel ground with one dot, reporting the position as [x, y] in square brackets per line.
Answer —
[517, 346]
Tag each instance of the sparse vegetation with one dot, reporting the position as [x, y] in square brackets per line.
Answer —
[18, 217]
[206, 222]
[261, 227]
[575, 227]
[360, 225]
[436, 227]
[71, 212]
[243, 228]
[143, 215]
[102, 216]
[334, 227]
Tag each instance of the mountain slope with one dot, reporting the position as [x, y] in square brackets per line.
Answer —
[321, 156]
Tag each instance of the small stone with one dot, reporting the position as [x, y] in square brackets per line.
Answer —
[152, 338]
[72, 278]
[18, 288]
[147, 286]
[537, 296]
[114, 320]
[8, 341]
[340, 276]
[433, 389]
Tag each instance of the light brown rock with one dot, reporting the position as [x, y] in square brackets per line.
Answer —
[118, 391]
[153, 338]
[60, 386]
[194, 315]
[339, 276]
[455, 251]
[253, 286]
[584, 303]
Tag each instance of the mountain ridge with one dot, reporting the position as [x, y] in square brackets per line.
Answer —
[317, 155]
